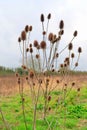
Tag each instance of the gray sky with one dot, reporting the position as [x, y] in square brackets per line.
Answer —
[14, 15]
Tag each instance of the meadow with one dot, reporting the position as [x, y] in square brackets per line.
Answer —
[75, 114]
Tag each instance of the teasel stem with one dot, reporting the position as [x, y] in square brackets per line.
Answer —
[55, 49]
[32, 61]
[47, 28]
[23, 53]
[77, 61]
[51, 47]
[23, 107]
[20, 49]
[66, 46]
[28, 37]
[3, 120]
[35, 109]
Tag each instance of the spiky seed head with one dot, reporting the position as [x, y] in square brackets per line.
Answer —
[65, 65]
[27, 49]
[18, 81]
[42, 18]
[35, 43]
[61, 32]
[49, 16]
[61, 65]
[31, 50]
[73, 84]
[61, 25]
[37, 56]
[31, 74]
[79, 50]
[30, 45]
[78, 89]
[57, 81]
[17, 74]
[30, 28]
[76, 64]
[19, 39]
[75, 33]
[26, 28]
[24, 67]
[70, 47]
[53, 70]
[44, 32]
[26, 78]
[49, 108]
[50, 36]
[43, 44]
[49, 98]
[23, 35]
[72, 55]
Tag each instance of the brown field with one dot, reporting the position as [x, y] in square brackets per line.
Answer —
[9, 86]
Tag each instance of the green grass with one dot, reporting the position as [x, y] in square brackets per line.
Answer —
[75, 109]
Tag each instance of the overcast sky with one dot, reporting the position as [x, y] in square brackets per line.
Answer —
[14, 15]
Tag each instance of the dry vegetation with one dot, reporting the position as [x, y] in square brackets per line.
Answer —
[9, 86]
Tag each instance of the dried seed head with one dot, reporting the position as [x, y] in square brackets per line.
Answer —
[30, 45]
[61, 32]
[49, 16]
[57, 55]
[61, 25]
[72, 55]
[44, 32]
[43, 44]
[37, 56]
[27, 49]
[70, 47]
[17, 74]
[42, 18]
[50, 37]
[30, 28]
[18, 81]
[31, 50]
[49, 108]
[57, 81]
[26, 78]
[65, 65]
[76, 64]
[65, 84]
[23, 66]
[61, 65]
[33, 84]
[79, 50]
[23, 35]
[75, 33]
[73, 84]
[31, 74]
[78, 89]
[53, 70]
[35, 43]
[19, 39]
[49, 98]
[26, 28]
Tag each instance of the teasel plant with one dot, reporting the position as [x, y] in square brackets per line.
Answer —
[43, 57]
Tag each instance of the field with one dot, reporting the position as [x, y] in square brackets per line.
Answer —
[75, 111]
